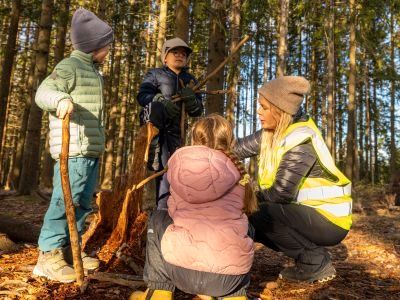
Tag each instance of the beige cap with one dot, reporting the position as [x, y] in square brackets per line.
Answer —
[286, 92]
[174, 43]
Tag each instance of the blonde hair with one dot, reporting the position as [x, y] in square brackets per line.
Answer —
[270, 140]
[216, 132]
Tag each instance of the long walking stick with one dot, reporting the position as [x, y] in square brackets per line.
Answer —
[69, 206]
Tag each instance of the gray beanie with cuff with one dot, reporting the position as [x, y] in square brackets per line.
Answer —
[88, 32]
[286, 92]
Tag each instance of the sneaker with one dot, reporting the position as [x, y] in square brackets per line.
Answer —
[89, 263]
[299, 274]
[53, 266]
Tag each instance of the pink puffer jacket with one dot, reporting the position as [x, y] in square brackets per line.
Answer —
[209, 232]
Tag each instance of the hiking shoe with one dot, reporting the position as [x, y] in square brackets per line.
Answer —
[89, 263]
[151, 294]
[299, 274]
[53, 266]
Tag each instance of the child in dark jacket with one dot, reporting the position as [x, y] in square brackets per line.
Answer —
[201, 244]
[155, 95]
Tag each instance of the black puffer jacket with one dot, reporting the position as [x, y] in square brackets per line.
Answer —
[165, 81]
[298, 163]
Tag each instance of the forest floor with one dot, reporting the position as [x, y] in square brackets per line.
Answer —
[367, 261]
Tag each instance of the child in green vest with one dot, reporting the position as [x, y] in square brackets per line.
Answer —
[75, 87]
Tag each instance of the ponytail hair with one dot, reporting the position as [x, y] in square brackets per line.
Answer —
[216, 132]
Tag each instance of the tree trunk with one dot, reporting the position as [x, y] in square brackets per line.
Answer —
[216, 54]
[16, 171]
[107, 182]
[46, 173]
[182, 20]
[62, 25]
[375, 162]
[330, 141]
[351, 123]
[29, 176]
[8, 62]
[162, 28]
[314, 84]
[253, 160]
[367, 134]
[122, 118]
[233, 75]
[393, 149]
[282, 43]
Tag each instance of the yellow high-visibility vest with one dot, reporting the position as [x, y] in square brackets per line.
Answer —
[331, 198]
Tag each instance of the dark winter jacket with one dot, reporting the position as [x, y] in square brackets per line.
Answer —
[165, 81]
[296, 164]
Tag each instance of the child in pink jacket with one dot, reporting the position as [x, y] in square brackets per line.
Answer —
[201, 244]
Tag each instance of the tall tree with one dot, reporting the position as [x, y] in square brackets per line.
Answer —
[29, 176]
[216, 54]
[351, 106]
[282, 44]
[162, 29]
[182, 20]
[8, 62]
[393, 149]
[233, 74]
[331, 69]
[46, 172]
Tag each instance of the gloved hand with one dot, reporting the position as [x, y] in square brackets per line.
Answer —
[64, 106]
[189, 98]
[171, 108]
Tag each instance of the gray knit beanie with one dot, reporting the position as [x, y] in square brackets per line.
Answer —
[174, 43]
[286, 92]
[88, 32]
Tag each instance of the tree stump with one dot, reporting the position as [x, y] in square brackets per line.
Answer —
[120, 221]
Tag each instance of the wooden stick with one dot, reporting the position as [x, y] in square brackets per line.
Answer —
[114, 279]
[143, 182]
[69, 206]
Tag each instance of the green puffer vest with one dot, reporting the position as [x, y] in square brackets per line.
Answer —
[76, 78]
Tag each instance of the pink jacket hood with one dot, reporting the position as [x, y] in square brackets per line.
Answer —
[200, 174]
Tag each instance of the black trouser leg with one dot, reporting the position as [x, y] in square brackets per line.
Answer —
[155, 274]
[298, 231]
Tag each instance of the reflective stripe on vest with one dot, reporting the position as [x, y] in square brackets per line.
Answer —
[323, 192]
[338, 210]
[330, 198]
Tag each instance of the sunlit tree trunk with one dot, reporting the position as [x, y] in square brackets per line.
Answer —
[351, 123]
[162, 28]
[330, 137]
[282, 43]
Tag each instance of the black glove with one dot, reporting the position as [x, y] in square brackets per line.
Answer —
[189, 98]
[171, 108]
